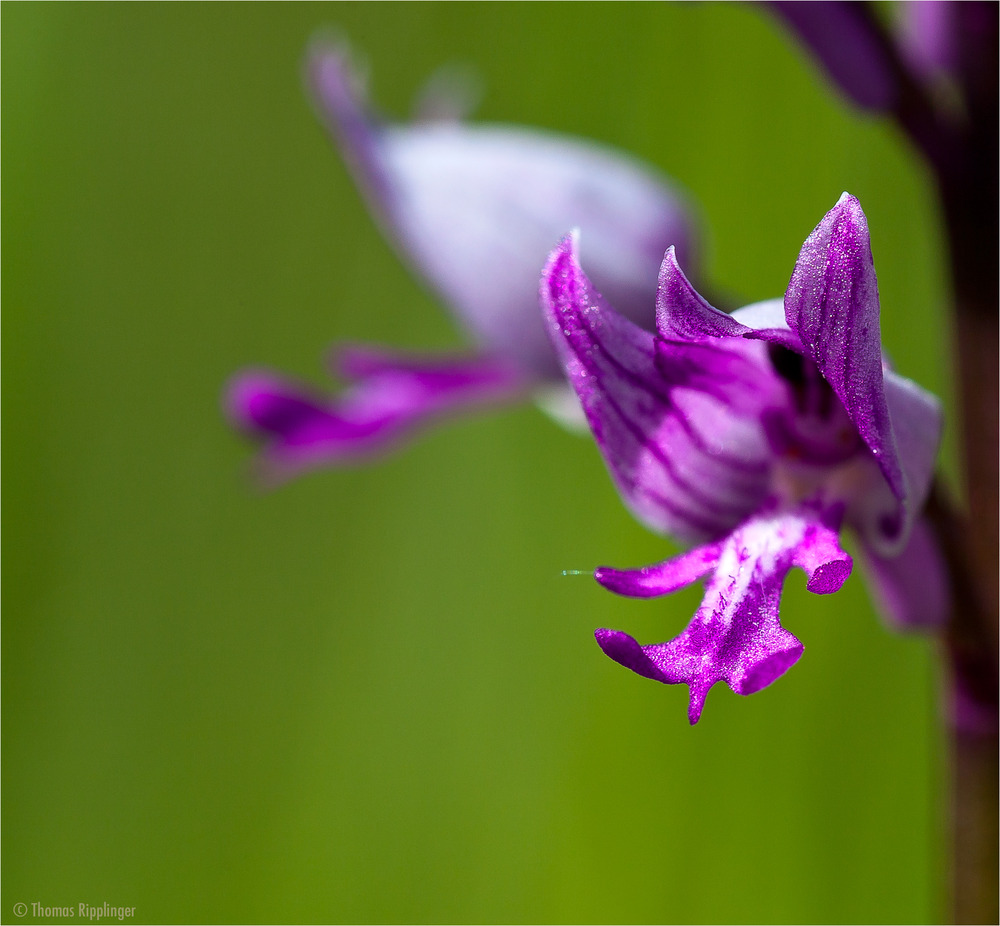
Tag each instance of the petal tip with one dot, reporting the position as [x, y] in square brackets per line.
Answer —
[609, 578]
[561, 276]
[626, 651]
[770, 669]
[696, 704]
[828, 578]
[244, 395]
[847, 207]
[326, 64]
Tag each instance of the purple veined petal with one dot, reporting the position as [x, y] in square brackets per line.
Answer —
[475, 209]
[911, 591]
[736, 635]
[678, 424]
[832, 305]
[390, 397]
[681, 312]
[846, 40]
[881, 518]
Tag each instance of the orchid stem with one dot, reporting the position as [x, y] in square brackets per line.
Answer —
[970, 654]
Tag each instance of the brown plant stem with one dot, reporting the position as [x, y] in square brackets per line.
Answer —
[971, 643]
[969, 651]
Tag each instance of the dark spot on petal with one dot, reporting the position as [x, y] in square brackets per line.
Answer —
[787, 364]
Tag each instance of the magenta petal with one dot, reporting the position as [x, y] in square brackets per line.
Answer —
[624, 650]
[678, 424]
[911, 590]
[661, 578]
[736, 635]
[832, 305]
[820, 557]
[682, 313]
[846, 39]
[261, 402]
[391, 396]
[476, 208]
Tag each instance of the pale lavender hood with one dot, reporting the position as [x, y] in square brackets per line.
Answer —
[475, 209]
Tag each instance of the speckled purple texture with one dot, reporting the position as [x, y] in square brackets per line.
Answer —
[736, 635]
[757, 434]
[832, 305]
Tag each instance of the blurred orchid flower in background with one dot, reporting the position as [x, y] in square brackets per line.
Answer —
[756, 434]
[474, 209]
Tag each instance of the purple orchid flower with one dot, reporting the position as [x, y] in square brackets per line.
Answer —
[474, 209]
[756, 435]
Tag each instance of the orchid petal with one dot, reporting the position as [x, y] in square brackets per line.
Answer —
[476, 208]
[832, 305]
[391, 396]
[681, 312]
[736, 635]
[848, 43]
[911, 590]
[677, 424]
[881, 518]
[819, 555]
[660, 578]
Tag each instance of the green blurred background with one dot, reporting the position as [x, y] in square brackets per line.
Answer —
[370, 696]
